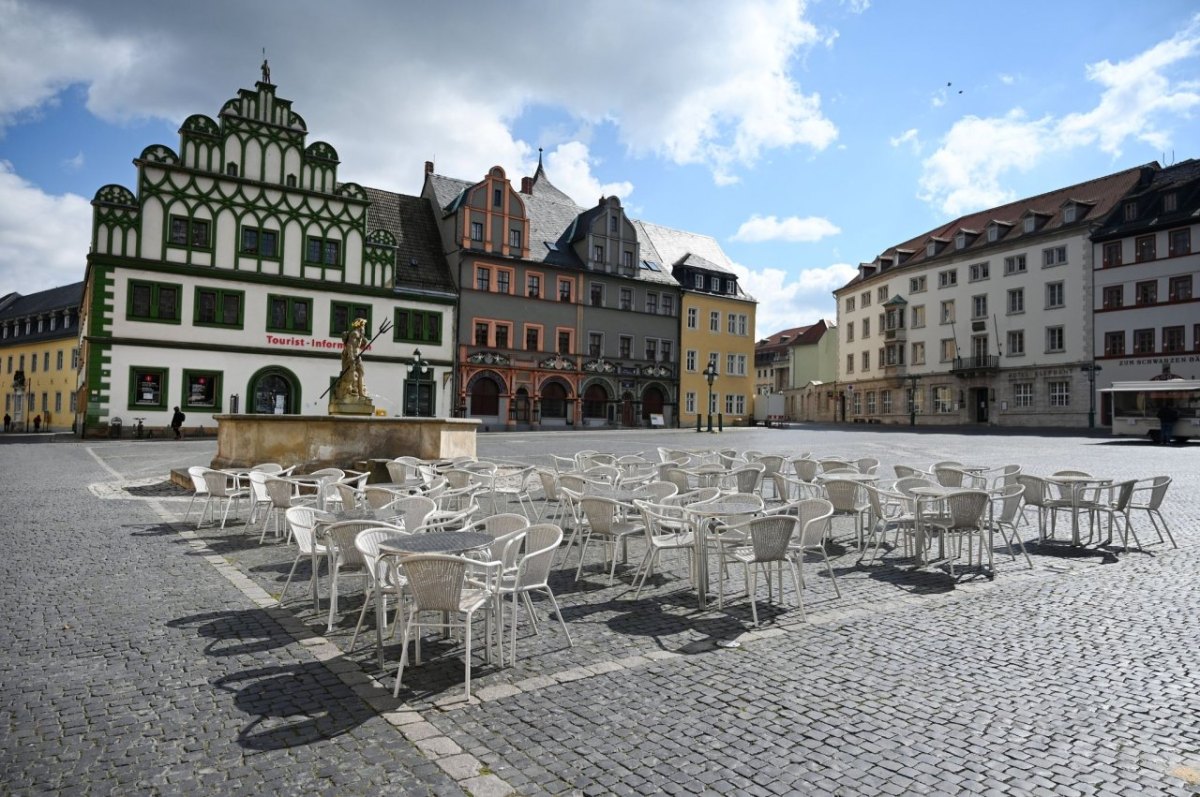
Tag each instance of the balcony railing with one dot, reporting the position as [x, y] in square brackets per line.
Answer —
[986, 362]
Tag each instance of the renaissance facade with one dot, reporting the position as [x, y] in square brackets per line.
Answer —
[225, 281]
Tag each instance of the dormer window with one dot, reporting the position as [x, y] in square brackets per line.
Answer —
[993, 233]
[1030, 224]
[1170, 202]
[698, 281]
[1069, 213]
[497, 197]
[930, 249]
[598, 253]
[960, 241]
[1131, 211]
[612, 223]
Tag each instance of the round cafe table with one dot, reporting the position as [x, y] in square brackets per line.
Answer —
[437, 542]
[707, 513]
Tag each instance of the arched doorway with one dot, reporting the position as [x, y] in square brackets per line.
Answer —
[554, 403]
[627, 409]
[273, 391]
[521, 406]
[485, 397]
[595, 402]
[653, 403]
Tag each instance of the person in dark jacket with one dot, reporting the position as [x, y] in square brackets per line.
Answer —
[1167, 415]
[177, 423]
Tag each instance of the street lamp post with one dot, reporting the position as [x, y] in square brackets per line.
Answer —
[1090, 369]
[912, 400]
[710, 374]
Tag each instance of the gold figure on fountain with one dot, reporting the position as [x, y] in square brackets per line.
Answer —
[350, 392]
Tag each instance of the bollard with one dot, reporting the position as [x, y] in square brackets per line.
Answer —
[720, 422]
[698, 429]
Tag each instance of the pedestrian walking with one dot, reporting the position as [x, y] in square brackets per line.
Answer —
[177, 423]
[7, 422]
[37, 423]
[1167, 415]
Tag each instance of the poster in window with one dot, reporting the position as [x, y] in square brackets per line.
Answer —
[202, 390]
[149, 389]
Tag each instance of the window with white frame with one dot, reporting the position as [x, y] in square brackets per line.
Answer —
[866, 328]
[743, 324]
[1014, 264]
[979, 271]
[1055, 295]
[1016, 342]
[849, 331]
[1055, 340]
[948, 349]
[1060, 393]
[1016, 300]
[943, 399]
[692, 319]
[871, 406]
[849, 304]
[849, 363]
[714, 321]
[689, 401]
[979, 306]
[916, 284]
[918, 354]
[881, 293]
[731, 324]
[948, 311]
[1054, 256]
[918, 316]
[866, 361]
[691, 359]
[948, 278]
[885, 401]
[1023, 394]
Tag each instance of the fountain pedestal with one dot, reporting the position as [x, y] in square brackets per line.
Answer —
[321, 441]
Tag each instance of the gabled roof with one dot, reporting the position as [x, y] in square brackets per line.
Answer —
[420, 263]
[1101, 194]
[61, 298]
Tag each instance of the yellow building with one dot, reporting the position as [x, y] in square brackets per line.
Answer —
[716, 325]
[39, 350]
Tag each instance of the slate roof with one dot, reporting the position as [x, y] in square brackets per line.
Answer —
[1098, 196]
[1182, 179]
[554, 219]
[420, 263]
[60, 298]
[688, 249]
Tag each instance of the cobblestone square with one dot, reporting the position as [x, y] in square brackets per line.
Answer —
[143, 655]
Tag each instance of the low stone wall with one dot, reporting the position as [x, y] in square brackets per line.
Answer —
[321, 441]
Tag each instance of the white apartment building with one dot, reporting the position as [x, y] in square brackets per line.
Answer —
[1146, 299]
[984, 320]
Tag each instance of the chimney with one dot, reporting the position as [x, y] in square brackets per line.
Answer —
[429, 167]
[526, 185]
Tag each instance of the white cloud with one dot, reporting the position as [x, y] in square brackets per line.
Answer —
[1006, 79]
[717, 91]
[74, 164]
[570, 167]
[43, 238]
[1139, 99]
[786, 300]
[907, 137]
[793, 228]
[856, 6]
[964, 173]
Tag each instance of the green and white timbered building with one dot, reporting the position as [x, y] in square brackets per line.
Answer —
[232, 272]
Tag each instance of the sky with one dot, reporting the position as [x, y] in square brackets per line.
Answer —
[805, 137]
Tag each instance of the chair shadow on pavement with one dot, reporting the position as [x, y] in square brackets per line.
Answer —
[236, 633]
[152, 530]
[292, 705]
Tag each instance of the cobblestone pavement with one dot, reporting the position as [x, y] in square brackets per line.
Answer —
[151, 660]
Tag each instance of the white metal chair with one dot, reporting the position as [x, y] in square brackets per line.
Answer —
[1147, 497]
[282, 494]
[302, 521]
[199, 490]
[382, 581]
[668, 528]
[965, 517]
[532, 574]
[769, 543]
[439, 585]
[604, 523]
[409, 512]
[224, 487]
[1006, 511]
[815, 516]
[344, 558]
